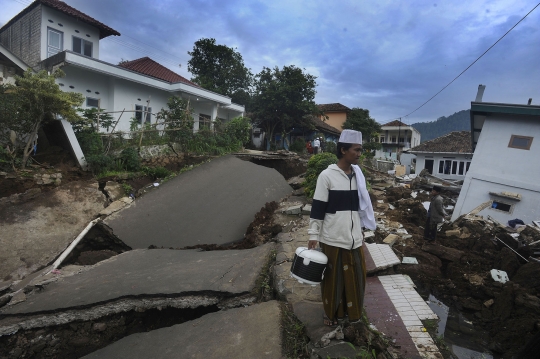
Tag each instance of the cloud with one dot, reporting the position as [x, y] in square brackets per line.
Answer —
[386, 56]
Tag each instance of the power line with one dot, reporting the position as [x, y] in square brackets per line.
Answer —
[462, 72]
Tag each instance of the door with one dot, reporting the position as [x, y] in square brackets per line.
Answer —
[55, 41]
[429, 166]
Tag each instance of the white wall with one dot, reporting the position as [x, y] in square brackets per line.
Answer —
[456, 160]
[70, 25]
[497, 167]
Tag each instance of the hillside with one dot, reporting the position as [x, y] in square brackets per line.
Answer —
[459, 121]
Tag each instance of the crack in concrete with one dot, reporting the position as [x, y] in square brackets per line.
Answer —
[124, 305]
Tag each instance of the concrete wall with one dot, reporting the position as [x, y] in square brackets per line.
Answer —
[53, 19]
[456, 160]
[496, 167]
[23, 37]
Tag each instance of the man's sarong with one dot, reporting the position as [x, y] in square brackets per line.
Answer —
[344, 282]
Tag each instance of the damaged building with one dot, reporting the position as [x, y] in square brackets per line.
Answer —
[503, 171]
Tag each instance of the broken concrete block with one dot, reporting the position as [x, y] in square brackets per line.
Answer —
[391, 239]
[369, 234]
[499, 276]
[395, 225]
[453, 232]
[409, 260]
[47, 180]
[489, 303]
[293, 210]
[306, 209]
[116, 206]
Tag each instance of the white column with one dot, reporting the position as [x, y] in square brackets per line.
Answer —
[214, 115]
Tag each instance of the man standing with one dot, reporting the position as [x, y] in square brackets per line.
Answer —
[341, 207]
[436, 214]
[316, 145]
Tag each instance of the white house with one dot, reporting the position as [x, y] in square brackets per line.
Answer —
[448, 157]
[50, 34]
[505, 167]
[395, 138]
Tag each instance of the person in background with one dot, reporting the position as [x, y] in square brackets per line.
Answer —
[435, 215]
[341, 208]
[316, 145]
[309, 148]
[323, 145]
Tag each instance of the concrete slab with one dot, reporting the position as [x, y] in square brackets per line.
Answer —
[213, 203]
[242, 333]
[151, 272]
[311, 315]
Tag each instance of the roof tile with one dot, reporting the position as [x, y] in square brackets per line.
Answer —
[395, 123]
[453, 142]
[149, 67]
[61, 6]
[333, 107]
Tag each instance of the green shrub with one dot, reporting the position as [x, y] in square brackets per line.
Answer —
[99, 163]
[316, 165]
[298, 146]
[156, 172]
[130, 159]
[331, 147]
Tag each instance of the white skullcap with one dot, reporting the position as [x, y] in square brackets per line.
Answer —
[351, 136]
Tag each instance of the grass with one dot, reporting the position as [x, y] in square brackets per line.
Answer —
[294, 335]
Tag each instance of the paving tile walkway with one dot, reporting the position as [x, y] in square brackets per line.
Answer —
[379, 257]
[396, 309]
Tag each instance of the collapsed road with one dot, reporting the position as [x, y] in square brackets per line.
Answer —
[78, 309]
[212, 204]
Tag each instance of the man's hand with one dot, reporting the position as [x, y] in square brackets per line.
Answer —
[312, 244]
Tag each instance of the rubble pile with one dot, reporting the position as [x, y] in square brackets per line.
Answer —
[462, 267]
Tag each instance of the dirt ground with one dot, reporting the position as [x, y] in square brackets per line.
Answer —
[456, 270]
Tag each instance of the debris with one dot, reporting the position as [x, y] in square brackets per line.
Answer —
[293, 210]
[474, 279]
[369, 234]
[56, 271]
[156, 184]
[513, 222]
[453, 232]
[391, 239]
[512, 249]
[306, 209]
[409, 260]
[499, 276]
[489, 303]
[414, 194]
[391, 207]
[334, 334]
[402, 231]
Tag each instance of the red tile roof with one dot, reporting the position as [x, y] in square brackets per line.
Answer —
[453, 142]
[61, 6]
[324, 127]
[333, 107]
[395, 123]
[149, 67]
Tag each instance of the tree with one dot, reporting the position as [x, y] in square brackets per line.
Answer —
[220, 69]
[283, 99]
[36, 98]
[358, 119]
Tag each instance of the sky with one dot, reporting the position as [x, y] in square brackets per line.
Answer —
[385, 56]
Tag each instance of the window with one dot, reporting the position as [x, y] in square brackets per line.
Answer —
[393, 139]
[55, 40]
[521, 142]
[445, 167]
[467, 167]
[139, 110]
[461, 168]
[401, 140]
[92, 102]
[454, 167]
[204, 121]
[382, 139]
[501, 206]
[82, 47]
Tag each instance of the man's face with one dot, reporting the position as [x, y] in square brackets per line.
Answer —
[352, 155]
